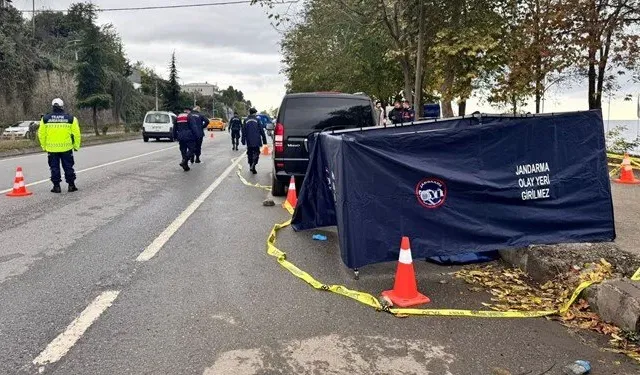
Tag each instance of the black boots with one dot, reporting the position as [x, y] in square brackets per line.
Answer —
[185, 165]
[56, 188]
[198, 160]
[253, 168]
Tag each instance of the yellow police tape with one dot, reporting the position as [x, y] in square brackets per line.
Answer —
[371, 301]
[244, 181]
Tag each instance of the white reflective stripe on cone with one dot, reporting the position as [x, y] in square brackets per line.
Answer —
[405, 256]
[19, 174]
[16, 186]
[292, 185]
[21, 184]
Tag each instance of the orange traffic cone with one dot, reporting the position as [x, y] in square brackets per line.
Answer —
[292, 197]
[19, 189]
[405, 289]
[265, 150]
[626, 172]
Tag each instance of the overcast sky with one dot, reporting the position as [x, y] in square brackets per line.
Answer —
[236, 45]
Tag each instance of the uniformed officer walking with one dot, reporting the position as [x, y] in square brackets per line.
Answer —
[186, 132]
[59, 136]
[201, 123]
[253, 136]
[235, 125]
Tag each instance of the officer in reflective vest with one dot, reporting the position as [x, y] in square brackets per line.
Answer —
[59, 135]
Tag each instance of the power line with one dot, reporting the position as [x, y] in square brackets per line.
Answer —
[237, 2]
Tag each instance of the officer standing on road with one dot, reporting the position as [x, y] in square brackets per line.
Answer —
[235, 125]
[59, 135]
[187, 133]
[253, 136]
[201, 123]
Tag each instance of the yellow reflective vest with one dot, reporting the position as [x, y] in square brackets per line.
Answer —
[59, 132]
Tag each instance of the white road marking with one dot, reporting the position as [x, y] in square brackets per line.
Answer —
[162, 239]
[99, 166]
[67, 339]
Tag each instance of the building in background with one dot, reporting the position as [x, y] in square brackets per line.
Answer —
[205, 89]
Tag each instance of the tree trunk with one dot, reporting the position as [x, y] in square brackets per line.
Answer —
[447, 96]
[406, 71]
[95, 120]
[462, 107]
[592, 79]
[417, 101]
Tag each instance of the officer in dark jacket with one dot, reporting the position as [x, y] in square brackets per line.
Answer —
[253, 136]
[187, 133]
[395, 115]
[201, 123]
[235, 125]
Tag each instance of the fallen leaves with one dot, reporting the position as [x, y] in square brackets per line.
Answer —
[512, 290]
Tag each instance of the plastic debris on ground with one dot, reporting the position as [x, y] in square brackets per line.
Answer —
[319, 237]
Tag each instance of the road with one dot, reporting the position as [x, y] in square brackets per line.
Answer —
[151, 270]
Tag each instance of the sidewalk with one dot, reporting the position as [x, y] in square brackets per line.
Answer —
[626, 207]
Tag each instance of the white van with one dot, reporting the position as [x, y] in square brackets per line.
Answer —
[158, 124]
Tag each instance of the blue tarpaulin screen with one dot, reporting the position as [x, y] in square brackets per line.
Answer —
[460, 186]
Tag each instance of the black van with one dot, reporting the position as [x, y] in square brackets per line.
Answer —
[302, 114]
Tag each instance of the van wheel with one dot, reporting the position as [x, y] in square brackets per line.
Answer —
[277, 188]
[171, 139]
[146, 139]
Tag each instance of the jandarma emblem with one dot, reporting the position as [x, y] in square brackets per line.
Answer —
[431, 192]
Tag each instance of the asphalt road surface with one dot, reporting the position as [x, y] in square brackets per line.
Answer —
[151, 270]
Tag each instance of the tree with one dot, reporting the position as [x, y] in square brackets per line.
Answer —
[606, 33]
[172, 91]
[92, 78]
[240, 108]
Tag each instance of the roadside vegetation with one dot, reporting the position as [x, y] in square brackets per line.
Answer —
[69, 55]
[507, 53]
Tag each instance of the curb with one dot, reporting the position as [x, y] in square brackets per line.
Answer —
[87, 143]
[616, 300]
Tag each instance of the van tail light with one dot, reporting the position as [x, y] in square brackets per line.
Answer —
[279, 138]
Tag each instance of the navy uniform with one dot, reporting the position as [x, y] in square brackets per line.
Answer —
[59, 136]
[201, 123]
[253, 136]
[235, 125]
[187, 134]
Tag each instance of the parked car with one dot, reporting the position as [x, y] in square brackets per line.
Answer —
[302, 114]
[216, 123]
[22, 129]
[158, 124]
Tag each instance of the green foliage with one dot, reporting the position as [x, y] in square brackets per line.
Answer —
[241, 108]
[172, 100]
[616, 142]
[19, 60]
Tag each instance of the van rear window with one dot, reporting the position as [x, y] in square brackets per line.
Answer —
[157, 118]
[317, 113]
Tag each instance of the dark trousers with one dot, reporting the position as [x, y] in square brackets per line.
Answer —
[187, 149]
[253, 154]
[66, 159]
[197, 150]
[235, 138]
